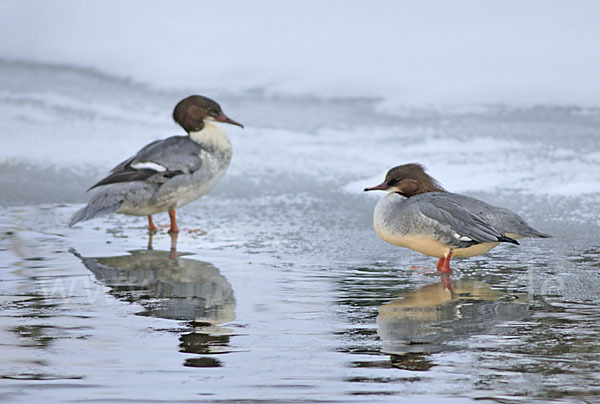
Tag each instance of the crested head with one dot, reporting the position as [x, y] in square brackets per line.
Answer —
[193, 111]
[408, 180]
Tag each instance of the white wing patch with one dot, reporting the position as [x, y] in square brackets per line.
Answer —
[148, 165]
[462, 238]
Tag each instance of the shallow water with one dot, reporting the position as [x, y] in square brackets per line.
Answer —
[279, 290]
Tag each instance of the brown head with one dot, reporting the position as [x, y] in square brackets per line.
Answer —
[408, 180]
[191, 112]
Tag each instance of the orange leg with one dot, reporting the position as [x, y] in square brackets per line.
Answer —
[440, 263]
[173, 228]
[151, 226]
[446, 267]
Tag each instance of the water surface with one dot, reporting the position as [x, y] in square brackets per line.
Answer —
[279, 290]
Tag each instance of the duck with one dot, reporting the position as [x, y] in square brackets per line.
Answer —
[418, 213]
[169, 173]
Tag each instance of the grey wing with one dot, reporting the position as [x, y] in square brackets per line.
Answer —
[504, 220]
[466, 228]
[177, 153]
[157, 162]
[124, 163]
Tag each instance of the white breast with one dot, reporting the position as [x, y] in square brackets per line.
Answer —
[185, 188]
[212, 135]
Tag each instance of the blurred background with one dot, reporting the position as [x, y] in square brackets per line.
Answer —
[85, 84]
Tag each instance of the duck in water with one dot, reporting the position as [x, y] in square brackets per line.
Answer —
[167, 174]
[419, 214]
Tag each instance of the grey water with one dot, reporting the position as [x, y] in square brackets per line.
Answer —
[277, 288]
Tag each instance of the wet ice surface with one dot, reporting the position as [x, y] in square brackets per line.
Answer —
[283, 293]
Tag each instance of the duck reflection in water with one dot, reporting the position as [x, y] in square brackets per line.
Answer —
[441, 316]
[169, 286]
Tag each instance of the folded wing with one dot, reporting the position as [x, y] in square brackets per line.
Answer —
[463, 227]
[157, 162]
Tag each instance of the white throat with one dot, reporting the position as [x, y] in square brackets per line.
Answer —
[212, 135]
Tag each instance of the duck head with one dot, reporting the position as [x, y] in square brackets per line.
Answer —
[193, 111]
[408, 180]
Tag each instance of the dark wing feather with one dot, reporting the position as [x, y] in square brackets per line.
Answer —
[177, 154]
[125, 175]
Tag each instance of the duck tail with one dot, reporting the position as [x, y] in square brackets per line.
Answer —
[99, 205]
[539, 234]
[528, 232]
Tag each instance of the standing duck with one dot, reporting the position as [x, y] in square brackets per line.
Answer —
[419, 214]
[167, 174]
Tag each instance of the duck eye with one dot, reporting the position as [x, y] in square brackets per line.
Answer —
[393, 181]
